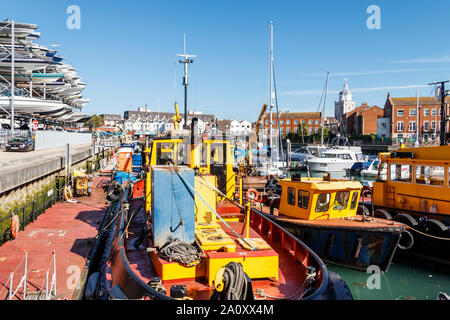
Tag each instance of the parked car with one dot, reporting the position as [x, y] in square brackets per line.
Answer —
[20, 144]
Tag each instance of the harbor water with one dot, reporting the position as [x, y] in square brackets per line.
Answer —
[408, 277]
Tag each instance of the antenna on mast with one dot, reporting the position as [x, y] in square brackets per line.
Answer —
[186, 60]
[441, 95]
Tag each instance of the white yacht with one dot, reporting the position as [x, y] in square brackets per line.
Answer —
[372, 170]
[335, 160]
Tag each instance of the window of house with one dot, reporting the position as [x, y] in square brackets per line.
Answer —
[323, 202]
[433, 112]
[317, 122]
[295, 121]
[291, 196]
[412, 126]
[430, 175]
[400, 113]
[281, 121]
[412, 112]
[426, 112]
[433, 125]
[400, 172]
[425, 126]
[288, 130]
[383, 125]
[341, 200]
[303, 199]
[310, 122]
[399, 125]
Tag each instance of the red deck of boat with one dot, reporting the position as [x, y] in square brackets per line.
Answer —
[291, 273]
[68, 229]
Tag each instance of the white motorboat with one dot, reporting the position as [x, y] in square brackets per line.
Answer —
[372, 170]
[57, 86]
[335, 160]
[29, 105]
[70, 92]
[6, 23]
[26, 64]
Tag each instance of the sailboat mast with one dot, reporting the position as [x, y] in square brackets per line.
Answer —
[270, 84]
[323, 109]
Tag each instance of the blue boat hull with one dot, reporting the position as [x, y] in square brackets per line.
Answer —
[356, 248]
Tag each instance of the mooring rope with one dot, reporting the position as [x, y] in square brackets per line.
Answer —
[426, 234]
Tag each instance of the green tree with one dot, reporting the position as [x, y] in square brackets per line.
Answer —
[326, 133]
[95, 121]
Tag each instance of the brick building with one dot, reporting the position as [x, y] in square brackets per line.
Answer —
[362, 120]
[290, 122]
[405, 116]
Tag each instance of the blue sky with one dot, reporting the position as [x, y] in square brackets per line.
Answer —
[125, 51]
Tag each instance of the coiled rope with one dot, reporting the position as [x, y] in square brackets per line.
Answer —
[235, 283]
[180, 251]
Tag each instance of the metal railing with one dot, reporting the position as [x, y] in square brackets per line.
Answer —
[33, 209]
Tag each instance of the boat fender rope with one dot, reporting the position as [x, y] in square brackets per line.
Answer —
[411, 243]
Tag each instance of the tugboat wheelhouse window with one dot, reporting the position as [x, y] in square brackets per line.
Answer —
[354, 202]
[430, 175]
[291, 196]
[400, 172]
[303, 199]
[323, 202]
[383, 172]
[341, 200]
[164, 153]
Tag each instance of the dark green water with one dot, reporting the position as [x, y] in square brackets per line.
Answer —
[405, 280]
[408, 278]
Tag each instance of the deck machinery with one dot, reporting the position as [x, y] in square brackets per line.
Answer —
[212, 162]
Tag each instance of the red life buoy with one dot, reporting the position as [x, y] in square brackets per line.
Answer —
[252, 194]
[15, 226]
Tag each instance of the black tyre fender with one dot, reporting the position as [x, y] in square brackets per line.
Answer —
[363, 210]
[434, 227]
[407, 219]
[383, 214]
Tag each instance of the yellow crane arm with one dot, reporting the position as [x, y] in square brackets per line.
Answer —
[176, 117]
[261, 115]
